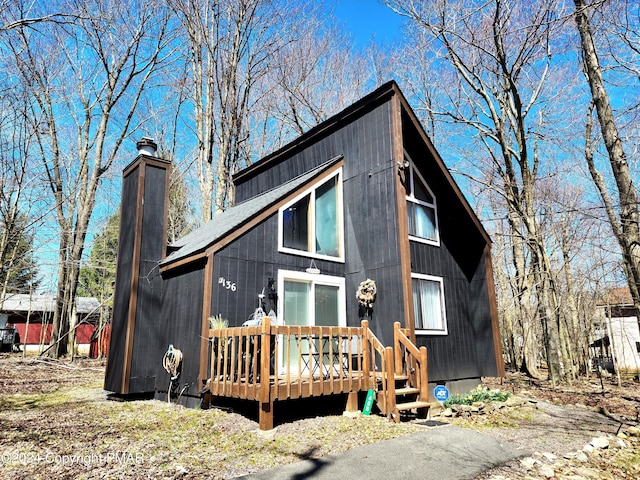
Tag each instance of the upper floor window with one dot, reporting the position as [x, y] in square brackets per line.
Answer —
[312, 223]
[421, 208]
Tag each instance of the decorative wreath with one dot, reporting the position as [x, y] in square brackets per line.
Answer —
[366, 293]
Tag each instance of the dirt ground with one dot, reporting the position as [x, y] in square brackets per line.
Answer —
[55, 422]
[597, 394]
[557, 423]
[35, 375]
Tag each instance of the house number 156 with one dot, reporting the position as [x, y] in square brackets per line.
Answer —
[228, 284]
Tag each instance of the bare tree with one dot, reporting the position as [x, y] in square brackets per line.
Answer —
[19, 181]
[259, 75]
[230, 44]
[314, 74]
[624, 216]
[86, 80]
[21, 13]
[499, 54]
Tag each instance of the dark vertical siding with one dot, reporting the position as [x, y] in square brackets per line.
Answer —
[179, 324]
[247, 264]
[451, 356]
[113, 378]
[481, 321]
[145, 335]
[370, 220]
[459, 260]
[146, 340]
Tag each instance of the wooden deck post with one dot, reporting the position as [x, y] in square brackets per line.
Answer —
[352, 402]
[265, 414]
[366, 356]
[397, 350]
[424, 375]
[390, 380]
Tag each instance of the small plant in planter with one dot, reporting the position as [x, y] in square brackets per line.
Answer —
[216, 322]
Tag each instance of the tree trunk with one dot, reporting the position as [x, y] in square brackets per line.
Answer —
[574, 335]
[507, 313]
[60, 324]
[624, 220]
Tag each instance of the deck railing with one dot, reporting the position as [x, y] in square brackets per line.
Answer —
[411, 361]
[277, 362]
[377, 354]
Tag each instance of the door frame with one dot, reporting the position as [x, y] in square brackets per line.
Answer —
[313, 279]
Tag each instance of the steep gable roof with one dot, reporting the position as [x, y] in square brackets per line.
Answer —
[356, 109]
[231, 219]
[380, 95]
[199, 240]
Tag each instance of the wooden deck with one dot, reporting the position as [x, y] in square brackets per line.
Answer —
[304, 361]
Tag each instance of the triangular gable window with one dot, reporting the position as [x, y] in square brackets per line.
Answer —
[311, 224]
[421, 208]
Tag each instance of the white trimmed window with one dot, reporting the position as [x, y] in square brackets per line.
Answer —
[428, 304]
[311, 224]
[308, 299]
[311, 299]
[421, 208]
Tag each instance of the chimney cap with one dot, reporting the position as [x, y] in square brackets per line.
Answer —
[147, 146]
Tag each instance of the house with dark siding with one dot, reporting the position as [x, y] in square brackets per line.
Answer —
[363, 195]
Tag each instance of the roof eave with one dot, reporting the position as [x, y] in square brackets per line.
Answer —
[380, 93]
[269, 209]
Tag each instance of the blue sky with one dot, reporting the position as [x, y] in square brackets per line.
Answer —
[367, 19]
[363, 19]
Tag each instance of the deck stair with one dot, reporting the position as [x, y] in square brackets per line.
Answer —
[407, 400]
[406, 394]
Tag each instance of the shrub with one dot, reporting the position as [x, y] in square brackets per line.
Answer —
[478, 394]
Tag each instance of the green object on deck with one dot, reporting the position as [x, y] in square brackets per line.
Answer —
[368, 403]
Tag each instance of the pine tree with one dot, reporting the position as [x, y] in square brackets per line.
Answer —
[18, 270]
[97, 278]
[180, 217]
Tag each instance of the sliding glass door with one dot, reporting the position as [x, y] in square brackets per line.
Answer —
[308, 299]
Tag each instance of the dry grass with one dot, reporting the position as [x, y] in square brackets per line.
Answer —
[57, 422]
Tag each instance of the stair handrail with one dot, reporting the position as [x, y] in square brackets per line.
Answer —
[370, 345]
[415, 358]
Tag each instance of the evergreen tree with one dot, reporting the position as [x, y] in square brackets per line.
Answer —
[97, 278]
[18, 270]
[180, 217]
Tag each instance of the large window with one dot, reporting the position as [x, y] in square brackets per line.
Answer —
[312, 224]
[421, 208]
[428, 304]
